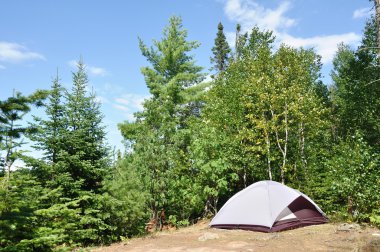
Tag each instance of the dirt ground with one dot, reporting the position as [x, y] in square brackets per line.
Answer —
[201, 238]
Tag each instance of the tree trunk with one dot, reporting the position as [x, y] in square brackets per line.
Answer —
[267, 141]
[377, 7]
[283, 149]
[245, 177]
[211, 206]
[302, 147]
[237, 36]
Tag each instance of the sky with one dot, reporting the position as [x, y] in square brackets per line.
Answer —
[39, 39]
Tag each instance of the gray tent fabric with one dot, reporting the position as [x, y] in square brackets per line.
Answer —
[268, 206]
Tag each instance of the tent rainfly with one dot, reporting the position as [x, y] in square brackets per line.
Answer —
[268, 206]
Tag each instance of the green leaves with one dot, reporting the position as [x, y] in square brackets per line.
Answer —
[355, 100]
[356, 93]
[356, 177]
[267, 106]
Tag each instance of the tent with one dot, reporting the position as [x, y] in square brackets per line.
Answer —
[268, 206]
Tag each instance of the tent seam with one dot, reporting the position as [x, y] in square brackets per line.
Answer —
[270, 209]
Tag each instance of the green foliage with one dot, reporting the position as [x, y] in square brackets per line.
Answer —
[72, 207]
[48, 133]
[355, 184]
[84, 151]
[18, 200]
[357, 93]
[12, 112]
[355, 99]
[126, 200]
[265, 112]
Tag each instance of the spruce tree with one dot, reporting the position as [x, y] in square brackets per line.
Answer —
[73, 169]
[84, 149]
[221, 51]
[48, 135]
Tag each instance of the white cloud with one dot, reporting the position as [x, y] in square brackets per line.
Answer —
[325, 46]
[130, 103]
[110, 88]
[101, 99]
[121, 107]
[94, 70]
[134, 101]
[122, 101]
[13, 52]
[249, 13]
[230, 37]
[362, 13]
[72, 63]
[126, 111]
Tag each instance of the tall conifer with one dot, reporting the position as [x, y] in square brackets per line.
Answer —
[221, 50]
[84, 148]
[160, 133]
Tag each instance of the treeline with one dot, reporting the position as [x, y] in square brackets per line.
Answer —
[264, 115]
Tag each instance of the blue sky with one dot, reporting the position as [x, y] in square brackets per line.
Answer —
[38, 38]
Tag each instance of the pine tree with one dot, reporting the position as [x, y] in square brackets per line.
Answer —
[160, 133]
[221, 50]
[12, 112]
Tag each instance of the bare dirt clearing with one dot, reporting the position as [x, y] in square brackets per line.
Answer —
[201, 238]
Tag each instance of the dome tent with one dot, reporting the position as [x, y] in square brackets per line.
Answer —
[268, 206]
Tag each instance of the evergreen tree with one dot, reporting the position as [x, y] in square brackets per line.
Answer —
[17, 205]
[83, 162]
[19, 192]
[221, 50]
[160, 133]
[12, 112]
[73, 207]
[48, 135]
[126, 199]
[84, 150]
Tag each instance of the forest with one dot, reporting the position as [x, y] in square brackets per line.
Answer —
[265, 115]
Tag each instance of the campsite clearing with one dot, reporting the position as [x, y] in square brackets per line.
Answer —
[201, 238]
